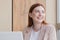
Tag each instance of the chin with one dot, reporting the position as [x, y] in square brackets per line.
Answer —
[39, 21]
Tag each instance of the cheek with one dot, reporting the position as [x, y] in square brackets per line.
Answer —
[44, 16]
[34, 15]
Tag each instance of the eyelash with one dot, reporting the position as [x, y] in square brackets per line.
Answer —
[38, 11]
[42, 11]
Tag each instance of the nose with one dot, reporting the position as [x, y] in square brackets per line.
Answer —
[40, 14]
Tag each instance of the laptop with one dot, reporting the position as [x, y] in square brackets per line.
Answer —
[11, 36]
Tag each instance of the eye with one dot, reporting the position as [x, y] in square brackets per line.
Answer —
[36, 11]
[42, 11]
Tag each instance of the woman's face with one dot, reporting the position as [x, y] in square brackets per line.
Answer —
[38, 14]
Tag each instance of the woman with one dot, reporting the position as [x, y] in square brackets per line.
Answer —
[38, 28]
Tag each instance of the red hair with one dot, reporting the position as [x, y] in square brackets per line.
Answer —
[30, 20]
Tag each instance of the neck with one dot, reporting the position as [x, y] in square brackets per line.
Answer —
[37, 26]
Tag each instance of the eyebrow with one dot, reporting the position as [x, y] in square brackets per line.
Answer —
[38, 10]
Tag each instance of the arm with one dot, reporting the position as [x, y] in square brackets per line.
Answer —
[52, 33]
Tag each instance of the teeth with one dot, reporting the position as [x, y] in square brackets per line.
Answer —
[39, 18]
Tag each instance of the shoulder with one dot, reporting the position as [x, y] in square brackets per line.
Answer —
[51, 27]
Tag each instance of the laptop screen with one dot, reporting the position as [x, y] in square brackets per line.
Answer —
[11, 36]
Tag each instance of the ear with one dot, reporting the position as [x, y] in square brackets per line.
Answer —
[30, 14]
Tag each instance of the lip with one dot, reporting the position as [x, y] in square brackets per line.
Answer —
[38, 17]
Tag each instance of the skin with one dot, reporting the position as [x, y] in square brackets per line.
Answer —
[38, 15]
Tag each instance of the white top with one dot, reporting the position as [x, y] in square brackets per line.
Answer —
[34, 35]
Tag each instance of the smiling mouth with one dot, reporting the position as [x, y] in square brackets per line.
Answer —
[39, 17]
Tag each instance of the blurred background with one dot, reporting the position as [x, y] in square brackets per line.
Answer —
[20, 12]
[14, 14]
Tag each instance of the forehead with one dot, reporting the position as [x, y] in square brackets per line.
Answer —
[39, 8]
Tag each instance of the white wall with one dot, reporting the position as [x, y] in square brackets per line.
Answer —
[51, 11]
[58, 11]
[5, 15]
